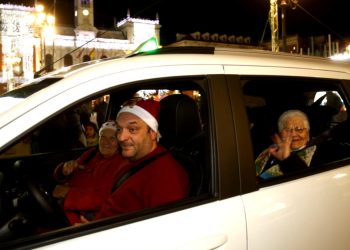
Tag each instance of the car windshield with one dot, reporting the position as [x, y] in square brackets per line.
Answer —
[13, 97]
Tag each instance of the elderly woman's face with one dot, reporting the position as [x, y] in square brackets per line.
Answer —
[295, 128]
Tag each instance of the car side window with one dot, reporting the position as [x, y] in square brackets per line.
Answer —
[66, 131]
[325, 107]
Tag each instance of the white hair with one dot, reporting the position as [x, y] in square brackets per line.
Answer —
[292, 113]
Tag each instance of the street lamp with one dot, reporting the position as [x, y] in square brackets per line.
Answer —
[274, 22]
[283, 20]
[274, 25]
[43, 27]
[284, 4]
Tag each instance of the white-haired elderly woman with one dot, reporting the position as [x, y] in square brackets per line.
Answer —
[289, 151]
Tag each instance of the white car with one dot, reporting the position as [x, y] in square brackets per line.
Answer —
[239, 95]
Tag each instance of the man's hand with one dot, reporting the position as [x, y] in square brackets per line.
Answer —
[83, 221]
[70, 166]
[60, 191]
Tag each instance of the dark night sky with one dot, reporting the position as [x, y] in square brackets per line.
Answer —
[236, 17]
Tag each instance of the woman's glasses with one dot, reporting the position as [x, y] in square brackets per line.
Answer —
[297, 130]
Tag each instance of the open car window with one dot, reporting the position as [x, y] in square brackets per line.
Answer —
[64, 132]
[323, 102]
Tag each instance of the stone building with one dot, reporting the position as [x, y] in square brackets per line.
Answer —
[27, 46]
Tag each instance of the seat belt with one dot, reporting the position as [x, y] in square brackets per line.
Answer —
[136, 169]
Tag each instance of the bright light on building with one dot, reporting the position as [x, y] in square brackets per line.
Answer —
[48, 32]
[50, 20]
[342, 56]
[31, 44]
[39, 8]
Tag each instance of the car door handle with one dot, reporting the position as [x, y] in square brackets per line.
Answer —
[205, 243]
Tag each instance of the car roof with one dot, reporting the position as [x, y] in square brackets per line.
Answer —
[195, 55]
[243, 62]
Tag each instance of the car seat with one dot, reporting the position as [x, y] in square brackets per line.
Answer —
[181, 129]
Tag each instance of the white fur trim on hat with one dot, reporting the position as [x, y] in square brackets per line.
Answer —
[108, 125]
[143, 114]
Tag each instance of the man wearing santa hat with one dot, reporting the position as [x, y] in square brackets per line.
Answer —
[162, 180]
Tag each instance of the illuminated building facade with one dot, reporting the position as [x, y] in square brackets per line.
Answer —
[16, 44]
[26, 47]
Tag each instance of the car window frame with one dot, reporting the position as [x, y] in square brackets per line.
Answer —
[338, 85]
[56, 236]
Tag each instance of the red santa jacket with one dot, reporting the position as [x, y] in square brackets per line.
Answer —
[161, 181]
[90, 187]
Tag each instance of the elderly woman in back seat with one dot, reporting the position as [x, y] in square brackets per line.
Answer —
[290, 151]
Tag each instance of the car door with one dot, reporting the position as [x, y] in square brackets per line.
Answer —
[306, 213]
[212, 220]
[306, 209]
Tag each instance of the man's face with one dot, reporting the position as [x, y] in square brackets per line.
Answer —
[135, 138]
[108, 143]
[294, 127]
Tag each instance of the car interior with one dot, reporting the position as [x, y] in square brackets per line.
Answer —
[182, 133]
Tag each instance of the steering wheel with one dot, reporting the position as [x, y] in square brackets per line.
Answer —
[54, 213]
[47, 203]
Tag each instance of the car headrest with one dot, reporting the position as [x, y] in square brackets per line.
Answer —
[179, 120]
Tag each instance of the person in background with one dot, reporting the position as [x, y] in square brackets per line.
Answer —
[85, 183]
[290, 151]
[161, 180]
[100, 108]
[91, 134]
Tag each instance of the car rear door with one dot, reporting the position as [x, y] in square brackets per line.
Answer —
[304, 211]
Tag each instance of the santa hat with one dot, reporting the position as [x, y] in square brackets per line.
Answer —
[108, 125]
[147, 110]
